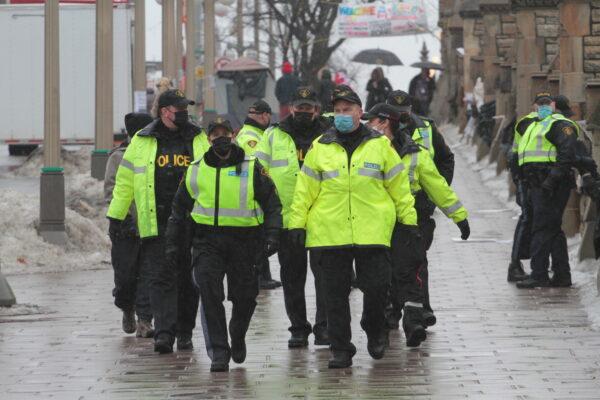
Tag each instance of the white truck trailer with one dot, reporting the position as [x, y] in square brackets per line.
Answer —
[22, 73]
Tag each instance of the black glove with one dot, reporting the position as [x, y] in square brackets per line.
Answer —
[465, 230]
[413, 240]
[128, 227]
[590, 186]
[114, 228]
[297, 237]
[588, 164]
[271, 246]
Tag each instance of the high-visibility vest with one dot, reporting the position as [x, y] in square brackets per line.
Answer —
[423, 175]
[223, 196]
[135, 181]
[352, 204]
[517, 137]
[423, 136]
[278, 155]
[534, 147]
[248, 134]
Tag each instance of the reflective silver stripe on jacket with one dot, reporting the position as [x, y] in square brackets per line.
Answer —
[320, 176]
[371, 173]
[251, 133]
[129, 165]
[414, 159]
[453, 208]
[194, 180]
[539, 145]
[394, 171]
[426, 139]
[310, 172]
[279, 163]
[263, 156]
[227, 212]
[329, 175]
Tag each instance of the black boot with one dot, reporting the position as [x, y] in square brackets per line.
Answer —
[238, 350]
[413, 326]
[219, 366]
[298, 339]
[531, 283]
[184, 342]
[429, 318]
[376, 346]
[341, 359]
[516, 273]
[163, 344]
[562, 279]
[322, 338]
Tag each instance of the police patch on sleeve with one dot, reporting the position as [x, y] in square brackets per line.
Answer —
[252, 143]
[567, 130]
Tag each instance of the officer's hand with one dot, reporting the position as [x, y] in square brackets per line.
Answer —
[129, 228]
[465, 230]
[297, 237]
[114, 228]
[271, 246]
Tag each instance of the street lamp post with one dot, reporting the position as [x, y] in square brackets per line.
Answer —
[52, 180]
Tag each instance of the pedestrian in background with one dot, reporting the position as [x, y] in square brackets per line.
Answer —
[378, 88]
[421, 89]
[285, 88]
[324, 91]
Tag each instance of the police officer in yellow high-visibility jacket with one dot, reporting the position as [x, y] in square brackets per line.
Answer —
[230, 198]
[149, 175]
[351, 191]
[409, 284]
[248, 138]
[546, 154]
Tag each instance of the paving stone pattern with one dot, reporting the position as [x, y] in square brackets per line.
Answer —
[492, 341]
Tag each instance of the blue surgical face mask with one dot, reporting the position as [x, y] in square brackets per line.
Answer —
[544, 111]
[343, 123]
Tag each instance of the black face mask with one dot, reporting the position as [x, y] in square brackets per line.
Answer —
[222, 145]
[404, 118]
[181, 118]
[302, 119]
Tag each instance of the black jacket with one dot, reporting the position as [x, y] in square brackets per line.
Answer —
[303, 138]
[264, 193]
[377, 94]
[286, 87]
[444, 158]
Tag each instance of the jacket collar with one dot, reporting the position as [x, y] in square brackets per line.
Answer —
[188, 132]
[332, 135]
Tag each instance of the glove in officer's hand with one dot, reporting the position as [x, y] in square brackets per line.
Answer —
[465, 230]
[271, 247]
[297, 237]
[114, 228]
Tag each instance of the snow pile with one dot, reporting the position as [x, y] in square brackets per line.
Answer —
[22, 250]
[22, 309]
[73, 161]
[584, 273]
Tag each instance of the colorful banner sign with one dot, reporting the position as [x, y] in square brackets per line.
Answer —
[382, 18]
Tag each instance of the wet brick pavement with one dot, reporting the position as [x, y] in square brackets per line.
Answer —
[492, 341]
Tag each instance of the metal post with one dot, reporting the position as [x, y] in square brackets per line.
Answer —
[239, 27]
[169, 64]
[190, 57]
[209, 61]
[257, 28]
[139, 57]
[52, 180]
[104, 88]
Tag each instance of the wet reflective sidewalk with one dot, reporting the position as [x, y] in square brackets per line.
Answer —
[492, 341]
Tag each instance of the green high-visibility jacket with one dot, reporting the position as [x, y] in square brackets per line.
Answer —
[423, 136]
[248, 138]
[135, 179]
[355, 203]
[223, 196]
[423, 175]
[534, 147]
[277, 154]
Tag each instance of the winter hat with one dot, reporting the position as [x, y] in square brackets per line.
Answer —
[287, 68]
[134, 122]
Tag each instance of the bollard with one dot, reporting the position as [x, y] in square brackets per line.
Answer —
[7, 297]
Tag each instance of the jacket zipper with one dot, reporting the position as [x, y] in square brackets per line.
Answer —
[218, 179]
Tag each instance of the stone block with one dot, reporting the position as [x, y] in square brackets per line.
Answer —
[575, 18]
[509, 28]
[552, 20]
[551, 48]
[509, 17]
[595, 3]
[591, 40]
[595, 29]
[591, 52]
[546, 13]
[591, 66]
[596, 15]
[545, 30]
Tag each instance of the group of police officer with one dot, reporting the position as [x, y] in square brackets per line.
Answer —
[356, 198]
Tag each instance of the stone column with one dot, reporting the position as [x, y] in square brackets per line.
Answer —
[471, 41]
[169, 45]
[139, 57]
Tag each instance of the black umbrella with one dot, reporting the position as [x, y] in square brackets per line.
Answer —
[377, 57]
[427, 65]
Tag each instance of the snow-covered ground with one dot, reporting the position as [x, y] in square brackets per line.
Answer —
[584, 273]
[22, 250]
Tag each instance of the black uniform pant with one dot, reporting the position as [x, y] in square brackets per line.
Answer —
[173, 298]
[407, 260]
[427, 228]
[215, 256]
[293, 261]
[547, 236]
[373, 274]
[131, 282]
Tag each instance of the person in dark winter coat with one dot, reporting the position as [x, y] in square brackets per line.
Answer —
[378, 88]
[285, 88]
[325, 90]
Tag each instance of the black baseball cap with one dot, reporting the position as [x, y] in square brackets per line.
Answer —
[174, 97]
[305, 95]
[345, 92]
[219, 122]
[401, 100]
[259, 107]
[542, 96]
[382, 110]
[563, 105]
